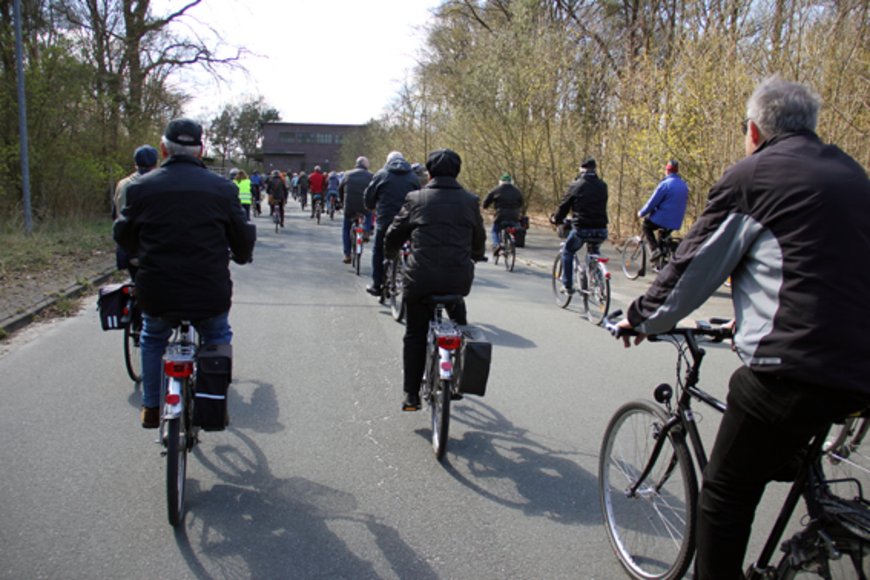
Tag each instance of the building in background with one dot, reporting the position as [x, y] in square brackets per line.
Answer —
[300, 146]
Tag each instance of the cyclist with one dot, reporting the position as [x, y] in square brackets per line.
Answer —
[351, 191]
[332, 182]
[665, 209]
[256, 187]
[317, 183]
[445, 227]
[179, 207]
[587, 199]
[277, 190]
[243, 182]
[302, 184]
[145, 158]
[785, 222]
[508, 202]
[386, 194]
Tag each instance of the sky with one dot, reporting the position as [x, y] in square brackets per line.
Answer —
[316, 61]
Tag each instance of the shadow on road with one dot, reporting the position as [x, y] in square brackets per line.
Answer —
[254, 525]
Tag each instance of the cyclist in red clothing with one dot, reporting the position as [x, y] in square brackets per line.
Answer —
[317, 186]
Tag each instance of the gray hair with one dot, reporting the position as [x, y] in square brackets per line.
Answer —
[778, 106]
[394, 155]
[362, 161]
[174, 148]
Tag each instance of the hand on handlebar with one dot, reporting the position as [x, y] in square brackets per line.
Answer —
[622, 329]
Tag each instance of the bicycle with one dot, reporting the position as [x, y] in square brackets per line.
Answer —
[507, 245]
[394, 282]
[177, 432]
[330, 206]
[358, 236]
[276, 216]
[317, 208]
[636, 255]
[591, 280]
[648, 486]
[440, 379]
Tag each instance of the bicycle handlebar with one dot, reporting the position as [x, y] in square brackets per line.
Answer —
[714, 329]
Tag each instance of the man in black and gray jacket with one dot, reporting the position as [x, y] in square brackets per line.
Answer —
[351, 194]
[445, 227]
[785, 223]
[385, 195]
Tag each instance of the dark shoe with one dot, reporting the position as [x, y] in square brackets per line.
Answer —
[374, 290]
[412, 402]
[456, 396]
[150, 417]
[366, 238]
[568, 290]
[346, 260]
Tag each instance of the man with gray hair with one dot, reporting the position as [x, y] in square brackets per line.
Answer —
[783, 223]
[351, 190]
[180, 219]
[386, 194]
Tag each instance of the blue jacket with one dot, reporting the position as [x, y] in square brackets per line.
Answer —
[667, 205]
[388, 188]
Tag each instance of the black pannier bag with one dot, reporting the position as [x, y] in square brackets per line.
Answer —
[214, 369]
[474, 361]
[520, 233]
[115, 303]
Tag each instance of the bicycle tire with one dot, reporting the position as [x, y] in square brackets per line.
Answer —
[509, 250]
[596, 295]
[132, 347]
[652, 532]
[176, 469]
[633, 257]
[563, 299]
[440, 413]
[846, 457]
[397, 294]
[358, 253]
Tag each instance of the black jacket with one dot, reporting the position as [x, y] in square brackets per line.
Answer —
[445, 227]
[352, 189]
[277, 188]
[508, 201]
[182, 220]
[387, 190]
[587, 199]
[787, 223]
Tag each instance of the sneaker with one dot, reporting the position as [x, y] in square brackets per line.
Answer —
[346, 259]
[568, 290]
[150, 417]
[454, 396]
[374, 290]
[411, 402]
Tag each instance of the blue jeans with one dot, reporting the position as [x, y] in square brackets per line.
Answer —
[575, 241]
[346, 237]
[155, 335]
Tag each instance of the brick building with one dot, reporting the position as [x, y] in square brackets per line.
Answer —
[301, 146]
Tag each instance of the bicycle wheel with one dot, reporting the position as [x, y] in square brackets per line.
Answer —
[397, 294]
[596, 295]
[563, 299]
[317, 212]
[176, 469]
[633, 257]
[358, 253]
[132, 352]
[652, 530]
[509, 251]
[846, 458]
[440, 412]
[277, 219]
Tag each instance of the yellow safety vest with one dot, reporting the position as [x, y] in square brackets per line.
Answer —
[244, 191]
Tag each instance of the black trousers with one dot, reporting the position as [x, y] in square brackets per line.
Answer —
[649, 233]
[769, 421]
[417, 317]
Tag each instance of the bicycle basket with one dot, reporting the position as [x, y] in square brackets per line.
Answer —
[474, 361]
[852, 515]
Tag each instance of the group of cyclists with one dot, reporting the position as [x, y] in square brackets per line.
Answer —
[778, 222]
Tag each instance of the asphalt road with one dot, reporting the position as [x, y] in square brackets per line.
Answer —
[320, 475]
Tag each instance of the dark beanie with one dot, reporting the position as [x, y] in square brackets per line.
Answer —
[145, 156]
[443, 163]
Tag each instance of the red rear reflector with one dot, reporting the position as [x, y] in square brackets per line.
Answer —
[603, 260]
[449, 342]
[173, 399]
[125, 290]
[178, 369]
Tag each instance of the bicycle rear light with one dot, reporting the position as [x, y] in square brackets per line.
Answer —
[449, 342]
[602, 259]
[173, 398]
[178, 369]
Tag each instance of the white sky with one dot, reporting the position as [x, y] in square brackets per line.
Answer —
[366, 50]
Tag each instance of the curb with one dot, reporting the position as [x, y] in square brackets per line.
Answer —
[18, 321]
